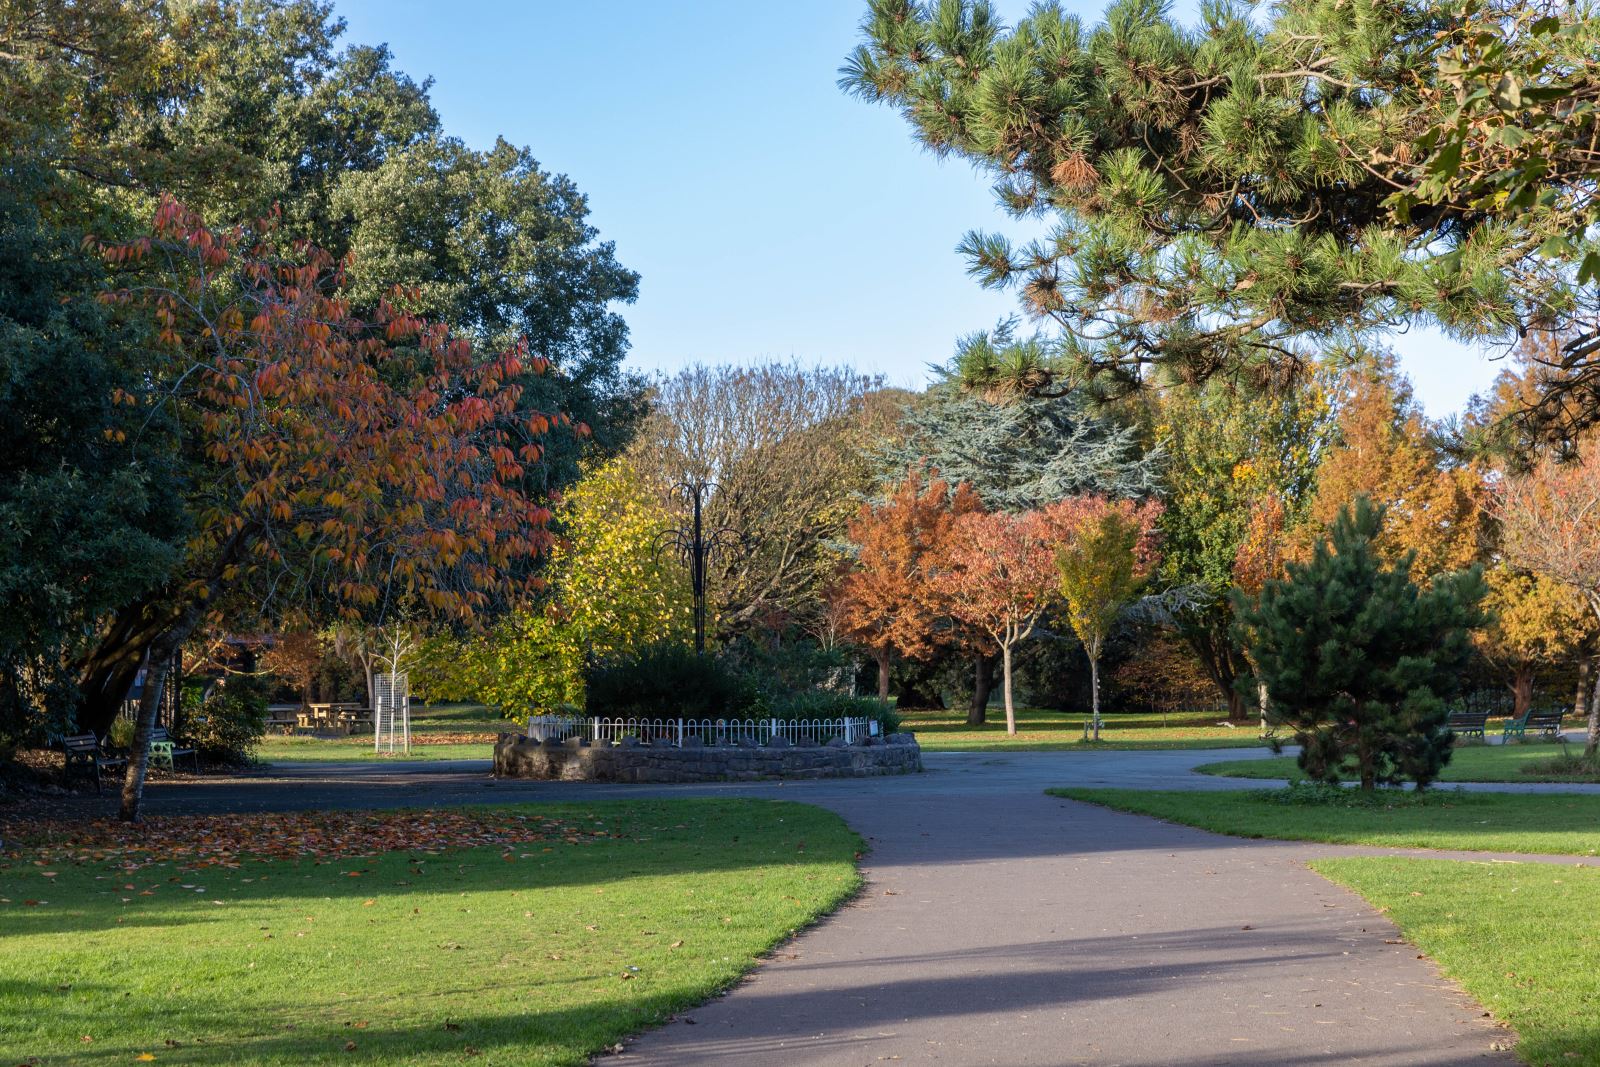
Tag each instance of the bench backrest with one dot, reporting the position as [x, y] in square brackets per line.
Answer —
[159, 734]
[1468, 716]
[80, 744]
[1547, 717]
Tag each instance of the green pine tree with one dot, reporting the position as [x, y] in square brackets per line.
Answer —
[1217, 199]
[1359, 660]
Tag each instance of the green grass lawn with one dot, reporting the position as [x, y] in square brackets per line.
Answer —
[541, 952]
[1041, 729]
[1553, 823]
[438, 732]
[1468, 763]
[1521, 938]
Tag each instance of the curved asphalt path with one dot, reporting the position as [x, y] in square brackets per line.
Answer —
[1002, 926]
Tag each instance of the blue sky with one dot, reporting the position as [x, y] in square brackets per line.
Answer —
[769, 214]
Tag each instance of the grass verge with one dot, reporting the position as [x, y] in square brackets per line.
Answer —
[1545, 823]
[1041, 729]
[1521, 938]
[1468, 763]
[601, 920]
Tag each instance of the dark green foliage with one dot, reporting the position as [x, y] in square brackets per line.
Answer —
[1216, 199]
[667, 680]
[1359, 661]
[1024, 453]
[86, 521]
[225, 725]
[830, 704]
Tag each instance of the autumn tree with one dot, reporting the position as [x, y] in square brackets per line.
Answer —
[294, 656]
[1550, 524]
[610, 589]
[887, 599]
[350, 468]
[1018, 452]
[1359, 659]
[1107, 551]
[1433, 508]
[1223, 452]
[1536, 623]
[997, 571]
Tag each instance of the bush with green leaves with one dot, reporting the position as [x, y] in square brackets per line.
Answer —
[830, 704]
[1359, 660]
[225, 724]
[666, 680]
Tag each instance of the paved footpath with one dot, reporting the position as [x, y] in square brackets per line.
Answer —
[1003, 926]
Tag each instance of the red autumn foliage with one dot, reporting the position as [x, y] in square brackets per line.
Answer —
[888, 602]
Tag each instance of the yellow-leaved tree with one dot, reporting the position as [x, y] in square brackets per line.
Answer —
[1538, 623]
[612, 588]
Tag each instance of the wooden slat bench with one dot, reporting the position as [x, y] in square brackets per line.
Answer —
[1469, 723]
[84, 751]
[1546, 722]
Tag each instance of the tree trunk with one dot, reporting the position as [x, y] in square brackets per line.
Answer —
[155, 683]
[982, 686]
[1094, 692]
[1592, 742]
[882, 656]
[1261, 701]
[1521, 692]
[1011, 711]
[1580, 696]
[1235, 705]
[107, 673]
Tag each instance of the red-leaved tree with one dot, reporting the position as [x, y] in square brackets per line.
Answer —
[342, 467]
[1550, 524]
[887, 601]
[997, 572]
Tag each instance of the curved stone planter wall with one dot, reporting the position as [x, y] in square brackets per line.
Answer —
[516, 756]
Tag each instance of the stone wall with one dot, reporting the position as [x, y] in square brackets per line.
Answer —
[575, 760]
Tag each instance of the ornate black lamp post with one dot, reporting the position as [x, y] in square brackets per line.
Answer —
[695, 545]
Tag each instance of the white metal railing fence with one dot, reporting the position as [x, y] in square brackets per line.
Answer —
[673, 732]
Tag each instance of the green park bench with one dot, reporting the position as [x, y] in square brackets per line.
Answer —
[84, 753]
[1546, 723]
[1469, 723]
[165, 752]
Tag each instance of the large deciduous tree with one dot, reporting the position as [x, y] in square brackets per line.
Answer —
[1107, 552]
[342, 467]
[1550, 524]
[997, 572]
[1223, 453]
[610, 590]
[781, 451]
[1216, 199]
[887, 600]
[1359, 659]
[1536, 623]
[1433, 507]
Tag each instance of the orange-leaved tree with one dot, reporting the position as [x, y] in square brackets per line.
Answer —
[886, 601]
[997, 573]
[1550, 524]
[340, 466]
[1107, 550]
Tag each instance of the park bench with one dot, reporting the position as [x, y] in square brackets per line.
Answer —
[84, 751]
[1469, 723]
[1546, 722]
[164, 751]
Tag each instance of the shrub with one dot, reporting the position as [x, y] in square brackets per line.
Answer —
[667, 681]
[823, 704]
[225, 725]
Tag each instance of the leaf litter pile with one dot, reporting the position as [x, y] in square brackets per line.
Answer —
[198, 841]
